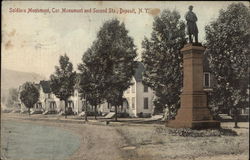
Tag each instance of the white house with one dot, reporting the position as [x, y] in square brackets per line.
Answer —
[48, 100]
[76, 102]
[139, 96]
[138, 99]
[53, 104]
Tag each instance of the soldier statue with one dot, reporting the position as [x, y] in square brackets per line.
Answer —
[191, 25]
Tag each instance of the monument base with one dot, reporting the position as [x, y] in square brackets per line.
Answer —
[193, 124]
[193, 112]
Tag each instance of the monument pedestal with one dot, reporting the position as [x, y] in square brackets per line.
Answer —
[193, 112]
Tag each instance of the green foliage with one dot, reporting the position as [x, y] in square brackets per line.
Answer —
[228, 51]
[163, 60]
[109, 64]
[12, 97]
[119, 58]
[29, 94]
[63, 80]
[92, 77]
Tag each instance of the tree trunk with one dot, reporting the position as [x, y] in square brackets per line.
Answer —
[95, 111]
[236, 120]
[116, 113]
[29, 111]
[86, 111]
[99, 107]
[66, 106]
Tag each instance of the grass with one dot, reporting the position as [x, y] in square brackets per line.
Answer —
[167, 143]
[186, 132]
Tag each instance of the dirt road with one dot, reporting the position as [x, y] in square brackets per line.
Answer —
[140, 142]
[97, 142]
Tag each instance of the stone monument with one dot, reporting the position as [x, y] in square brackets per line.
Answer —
[194, 112]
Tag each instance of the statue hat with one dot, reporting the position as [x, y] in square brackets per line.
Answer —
[191, 7]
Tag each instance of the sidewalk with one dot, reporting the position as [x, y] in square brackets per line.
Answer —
[81, 120]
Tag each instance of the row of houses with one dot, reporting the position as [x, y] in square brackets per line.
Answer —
[138, 98]
[49, 103]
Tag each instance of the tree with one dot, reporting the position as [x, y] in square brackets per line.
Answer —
[63, 80]
[29, 95]
[12, 97]
[113, 55]
[228, 49]
[118, 52]
[91, 78]
[162, 59]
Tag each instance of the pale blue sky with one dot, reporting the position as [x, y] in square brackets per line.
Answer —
[33, 42]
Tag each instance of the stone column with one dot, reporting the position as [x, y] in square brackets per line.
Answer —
[193, 112]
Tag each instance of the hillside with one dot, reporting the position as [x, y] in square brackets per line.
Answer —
[13, 79]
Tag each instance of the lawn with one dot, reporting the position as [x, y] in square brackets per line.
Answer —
[165, 143]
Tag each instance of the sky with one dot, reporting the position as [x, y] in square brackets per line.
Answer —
[33, 42]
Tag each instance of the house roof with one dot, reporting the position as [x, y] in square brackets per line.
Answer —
[45, 86]
[139, 71]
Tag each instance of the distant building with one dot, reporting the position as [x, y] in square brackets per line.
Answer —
[53, 104]
[139, 96]
[76, 102]
[47, 99]
[138, 99]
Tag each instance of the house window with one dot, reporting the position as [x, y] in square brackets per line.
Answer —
[247, 111]
[133, 88]
[145, 88]
[206, 79]
[145, 103]
[133, 103]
